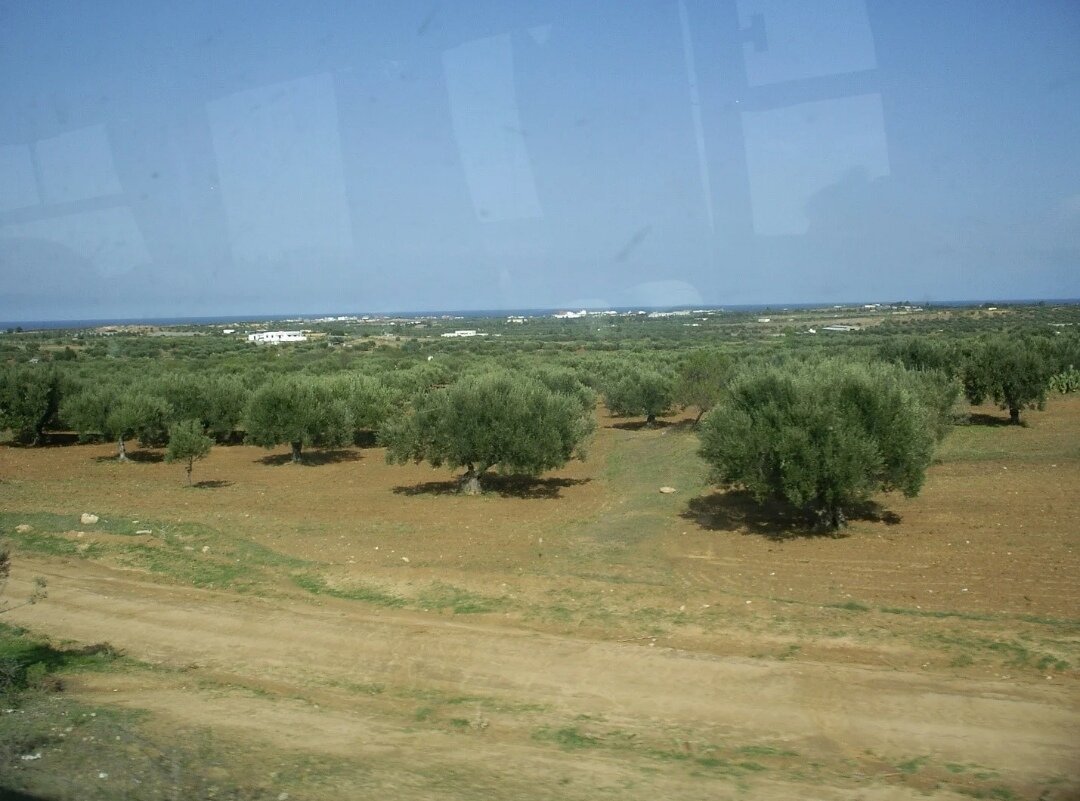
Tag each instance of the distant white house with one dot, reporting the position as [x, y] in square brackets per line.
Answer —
[467, 332]
[569, 315]
[839, 328]
[275, 337]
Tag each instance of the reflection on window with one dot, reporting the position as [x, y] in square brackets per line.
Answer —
[109, 239]
[278, 153]
[794, 152]
[487, 125]
[77, 165]
[788, 40]
[18, 188]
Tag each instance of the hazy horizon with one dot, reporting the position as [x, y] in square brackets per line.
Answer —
[200, 161]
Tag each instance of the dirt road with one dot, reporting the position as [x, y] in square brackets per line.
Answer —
[342, 679]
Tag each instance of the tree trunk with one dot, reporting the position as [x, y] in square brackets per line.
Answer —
[296, 449]
[190, 464]
[830, 518]
[650, 420]
[1014, 415]
[836, 519]
[470, 482]
[121, 450]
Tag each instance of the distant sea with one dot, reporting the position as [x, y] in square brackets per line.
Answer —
[38, 325]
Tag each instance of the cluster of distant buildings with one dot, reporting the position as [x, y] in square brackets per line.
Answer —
[274, 337]
[465, 332]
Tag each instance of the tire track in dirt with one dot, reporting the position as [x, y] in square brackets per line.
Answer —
[821, 710]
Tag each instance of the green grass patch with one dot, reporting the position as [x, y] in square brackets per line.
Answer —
[765, 751]
[26, 661]
[914, 765]
[1012, 653]
[459, 601]
[188, 553]
[318, 586]
[569, 738]
[940, 614]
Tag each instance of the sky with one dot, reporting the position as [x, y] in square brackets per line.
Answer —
[224, 158]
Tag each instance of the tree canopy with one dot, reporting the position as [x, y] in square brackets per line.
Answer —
[297, 411]
[187, 444]
[822, 436]
[29, 400]
[119, 414]
[501, 420]
[640, 391]
[1014, 374]
[701, 379]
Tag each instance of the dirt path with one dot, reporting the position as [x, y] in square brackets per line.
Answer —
[340, 679]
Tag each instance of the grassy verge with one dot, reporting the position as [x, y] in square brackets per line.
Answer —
[52, 746]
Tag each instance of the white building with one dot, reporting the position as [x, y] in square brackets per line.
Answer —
[277, 336]
[468, 332]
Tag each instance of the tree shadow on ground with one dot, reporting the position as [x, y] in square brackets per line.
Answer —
[504, 486]
[313, 458]
[141, 456]
[212, 484]
[736, 510]
[50, 439]
[992, 420]
[366, 440]
[639, 425]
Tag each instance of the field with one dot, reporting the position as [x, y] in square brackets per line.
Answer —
[347, 629]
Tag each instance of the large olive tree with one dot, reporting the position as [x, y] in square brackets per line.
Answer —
[118, 414]
[29, 400]
[1012, 373]
[640, 391]
[498, 420]
[821, 436]
[299, 411]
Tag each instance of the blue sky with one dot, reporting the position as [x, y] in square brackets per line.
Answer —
[256, 158]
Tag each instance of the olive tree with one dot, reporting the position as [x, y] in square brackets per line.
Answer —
[922, 353]
[118, 414]
[564, 381]
[641, 392]
[701, 379]
[29, 401]
[217, 401]
[501, 420]
[1009, 372]
[187, 443]
[297, 411]
[821, 436]
[368, 400]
